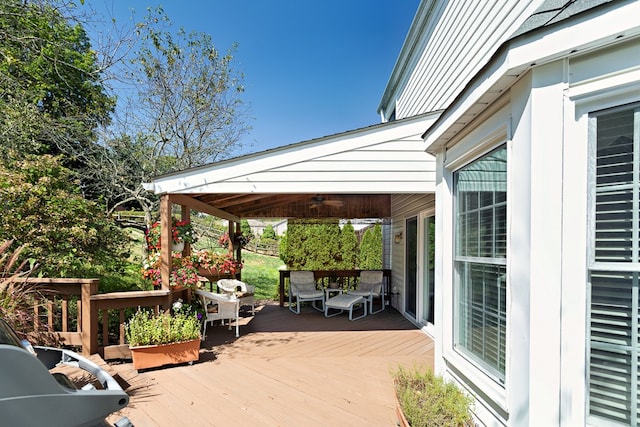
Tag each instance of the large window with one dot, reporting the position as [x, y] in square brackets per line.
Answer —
[481, 260]
[615, 268]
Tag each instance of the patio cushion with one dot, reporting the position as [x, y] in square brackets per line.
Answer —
[369, 287]
[304, 287]
[310, 294]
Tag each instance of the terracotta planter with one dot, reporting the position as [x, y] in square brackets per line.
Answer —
[402, 420]
[153, 356]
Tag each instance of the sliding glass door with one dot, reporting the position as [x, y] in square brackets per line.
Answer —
[411, 266]
[428, 268]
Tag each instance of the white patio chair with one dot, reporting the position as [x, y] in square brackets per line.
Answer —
[303, 288]
[219, 307]
[244, 292]
[370, 286]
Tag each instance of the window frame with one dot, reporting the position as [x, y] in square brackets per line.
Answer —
[597, 268]
[462, 260]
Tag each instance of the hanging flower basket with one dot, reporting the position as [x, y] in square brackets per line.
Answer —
[239, 239]
[181, 233]
[188, 271]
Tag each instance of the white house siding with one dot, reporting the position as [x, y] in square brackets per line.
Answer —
[403, 207]
[456, 39]
[385, 158]
[543, 119]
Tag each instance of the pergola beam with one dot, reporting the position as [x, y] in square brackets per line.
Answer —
[199, 206]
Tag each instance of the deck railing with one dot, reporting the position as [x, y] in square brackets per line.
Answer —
[73, 309]
[346, 279]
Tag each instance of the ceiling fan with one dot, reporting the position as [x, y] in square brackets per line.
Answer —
[319, 200]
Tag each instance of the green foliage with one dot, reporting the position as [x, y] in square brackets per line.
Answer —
[245, 228]
[371, 249]
[126, 279]
[51, 96]
[145, 328]
[68, 235]
[189, 92]
[319, 246]
[348, 248]
[429, 400]
[17, 299]
[269, 233]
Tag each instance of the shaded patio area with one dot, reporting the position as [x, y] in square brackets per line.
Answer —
[284, 370]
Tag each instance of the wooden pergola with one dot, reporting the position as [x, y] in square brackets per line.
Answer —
[234, 207]
[352, 175]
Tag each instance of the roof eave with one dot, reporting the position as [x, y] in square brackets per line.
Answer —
[516, 56]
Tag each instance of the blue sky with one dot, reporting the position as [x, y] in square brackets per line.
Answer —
[312, 68]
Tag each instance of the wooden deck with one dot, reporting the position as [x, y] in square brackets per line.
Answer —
[284, 370]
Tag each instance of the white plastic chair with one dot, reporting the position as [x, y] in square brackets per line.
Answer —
[244, 292]
[370, 286]
[302, 288]
[219, 307]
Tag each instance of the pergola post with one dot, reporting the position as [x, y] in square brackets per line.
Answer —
[185, 215]
[238, 249]
[165, 241]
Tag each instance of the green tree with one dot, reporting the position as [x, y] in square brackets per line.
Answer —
[189, 93]
[184, 110]
[371, 249]
[246, 229]
[348, 247]
[269, 233]
[311, 246]
[51, 94]
[66, 234]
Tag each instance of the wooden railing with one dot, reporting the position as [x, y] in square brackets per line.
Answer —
[68, 291]
[65, 298]
[346, 279]
[74, 309]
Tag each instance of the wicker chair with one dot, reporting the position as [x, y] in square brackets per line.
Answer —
[219, 307]
[302, 287]
[244, 292]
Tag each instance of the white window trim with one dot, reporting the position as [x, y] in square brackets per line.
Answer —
[494, 132]
[600, 94]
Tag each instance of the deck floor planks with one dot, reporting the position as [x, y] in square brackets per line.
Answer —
[286, 369]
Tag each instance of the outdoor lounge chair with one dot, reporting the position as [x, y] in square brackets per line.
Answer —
[219, 307]
[244, 292]
[302, 288]
[370, 286]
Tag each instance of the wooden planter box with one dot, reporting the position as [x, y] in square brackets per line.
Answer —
[153, 356]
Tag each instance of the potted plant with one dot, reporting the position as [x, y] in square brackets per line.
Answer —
[181, 233]
[163, 339]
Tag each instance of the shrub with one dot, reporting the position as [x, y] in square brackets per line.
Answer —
[68, 235]
[428, 400]
[145, 328]
[17, 298]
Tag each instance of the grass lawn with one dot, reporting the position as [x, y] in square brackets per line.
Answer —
[261, 271]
